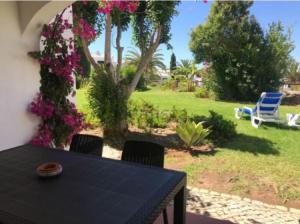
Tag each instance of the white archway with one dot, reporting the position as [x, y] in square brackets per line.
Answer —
[33, 15]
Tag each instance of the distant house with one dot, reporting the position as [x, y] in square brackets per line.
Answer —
[164, 74]
[289, 85]
[197, 80]
[99, 58]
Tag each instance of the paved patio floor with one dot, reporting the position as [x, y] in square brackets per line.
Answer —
[192, 218]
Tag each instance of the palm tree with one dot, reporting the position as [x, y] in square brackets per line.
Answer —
[133, 57]
[186, 68]
[185, 63]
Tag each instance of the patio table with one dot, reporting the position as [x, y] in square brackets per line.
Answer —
[90, 189]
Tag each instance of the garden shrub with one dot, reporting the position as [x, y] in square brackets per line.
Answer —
[170, 84]
[107, 101]
[128, 72]
[180, 116]
[186, 86]
[192, 134]
[221, 129]
[145, 116]
[202, 93]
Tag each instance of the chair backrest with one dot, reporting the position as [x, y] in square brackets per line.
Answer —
[142, 152]
[268, 103]
[88, 144]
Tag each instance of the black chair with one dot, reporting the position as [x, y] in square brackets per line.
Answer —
[146, 153]
[88, 144]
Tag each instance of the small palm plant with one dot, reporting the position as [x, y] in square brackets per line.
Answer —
[192, 134]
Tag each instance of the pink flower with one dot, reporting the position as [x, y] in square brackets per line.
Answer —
[69, 120]
[43, 138]
[122, 6]
[106, 6]
[132, 7]
[42, 108]
[84, 30]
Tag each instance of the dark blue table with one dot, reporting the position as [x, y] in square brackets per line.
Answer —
[90, 190]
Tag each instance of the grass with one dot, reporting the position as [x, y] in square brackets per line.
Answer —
[270, 154]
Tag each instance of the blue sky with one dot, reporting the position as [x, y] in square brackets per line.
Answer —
[193, 13]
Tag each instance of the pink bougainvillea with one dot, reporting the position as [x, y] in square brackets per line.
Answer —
[84, 30]
[42, 108]
[106, 6]
[59, 118]
[43, 138]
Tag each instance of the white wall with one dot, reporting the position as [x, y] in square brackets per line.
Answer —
[19, 81]
[19, 73]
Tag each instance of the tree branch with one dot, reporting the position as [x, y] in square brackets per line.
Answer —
[145, 60]
[107, 47]
[107, 50]
[88, 55]
[120, 51]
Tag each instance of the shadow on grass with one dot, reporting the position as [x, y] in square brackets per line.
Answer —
[170, 141]
[252, 144]
[280, 126]
[242, 143]
[266, 125]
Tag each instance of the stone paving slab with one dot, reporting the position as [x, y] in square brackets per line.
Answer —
[237, 209]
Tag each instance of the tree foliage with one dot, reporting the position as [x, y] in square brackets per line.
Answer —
[173, 63]
[151, 15]
[150, 21]
[245, 59]
[107, 101]
[87, 10]
[133, 57]
[293, 73]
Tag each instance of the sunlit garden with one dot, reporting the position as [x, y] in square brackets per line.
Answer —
[191, 106]
[260, 163]
[150, 111]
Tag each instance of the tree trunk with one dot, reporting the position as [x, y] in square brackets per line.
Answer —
[120, 52]
[107, 50]
[120, 130]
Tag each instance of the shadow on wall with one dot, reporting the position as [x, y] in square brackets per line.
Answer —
[252, 144]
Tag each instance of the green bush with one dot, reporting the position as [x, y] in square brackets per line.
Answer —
[128, 72]
[186, 86]
[170, 84]
[107, 101]
[221, 129]
[145, 116]
[201, 93]
[192, 134]
[180, 116]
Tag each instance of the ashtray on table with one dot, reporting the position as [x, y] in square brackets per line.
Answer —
[50, 169]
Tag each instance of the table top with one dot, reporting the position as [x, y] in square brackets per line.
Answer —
[90, 189]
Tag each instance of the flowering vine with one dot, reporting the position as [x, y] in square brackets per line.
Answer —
[107, 6]
[59, 60]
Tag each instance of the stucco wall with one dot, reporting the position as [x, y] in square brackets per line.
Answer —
[19, 74]
[19, 80]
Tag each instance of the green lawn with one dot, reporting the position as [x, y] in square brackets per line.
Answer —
[268, 156]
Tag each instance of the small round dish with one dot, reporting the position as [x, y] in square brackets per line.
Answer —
[51, 169]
